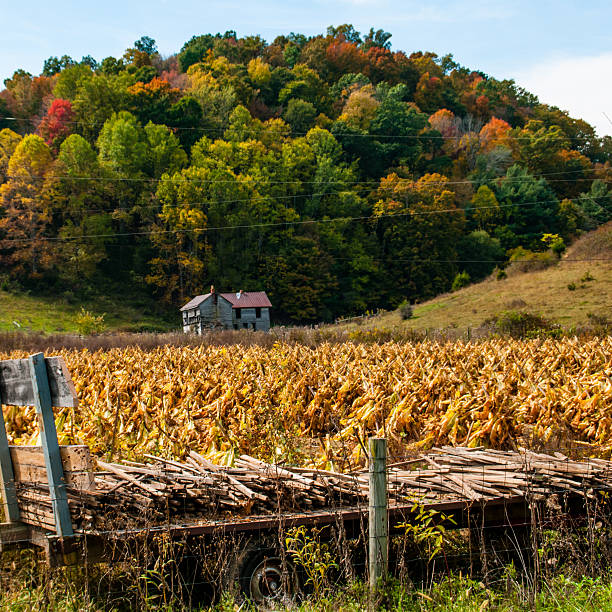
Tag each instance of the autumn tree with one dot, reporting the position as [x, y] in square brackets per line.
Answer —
[415, 224]
[58, 123]
[26, 205]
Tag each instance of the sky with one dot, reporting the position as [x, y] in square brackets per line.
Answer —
[561, 51]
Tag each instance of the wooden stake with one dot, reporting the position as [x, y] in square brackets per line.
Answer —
[378, 515]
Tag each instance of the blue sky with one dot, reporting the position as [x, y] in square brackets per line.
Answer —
[562, 50]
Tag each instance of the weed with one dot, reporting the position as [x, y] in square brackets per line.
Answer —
[312, 555]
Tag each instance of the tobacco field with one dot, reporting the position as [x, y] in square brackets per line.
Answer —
[316, 405]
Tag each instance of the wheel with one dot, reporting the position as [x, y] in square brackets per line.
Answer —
[265, 579]
[260, 576]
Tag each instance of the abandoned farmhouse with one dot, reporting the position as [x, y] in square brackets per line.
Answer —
[239, 310]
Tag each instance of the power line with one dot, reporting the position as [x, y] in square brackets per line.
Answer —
[271, 224]
[221, 130]
[297, 181]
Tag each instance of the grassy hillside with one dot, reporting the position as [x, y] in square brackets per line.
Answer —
[31, 313]
[544, 292]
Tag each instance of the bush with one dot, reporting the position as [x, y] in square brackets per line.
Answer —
[87, 323]
[523, 325]
[461, 280]
[405, 310]
[523, 260]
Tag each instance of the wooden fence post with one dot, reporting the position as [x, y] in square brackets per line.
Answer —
[48, 439]
[7, 477]
[378, 515]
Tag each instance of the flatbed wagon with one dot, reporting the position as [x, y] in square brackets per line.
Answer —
[488, 492]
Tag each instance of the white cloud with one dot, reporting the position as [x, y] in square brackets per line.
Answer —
[581, 86]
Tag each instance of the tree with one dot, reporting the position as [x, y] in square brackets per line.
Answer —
[194, 50]
[152, 101]
[85, 223]
[58, 123]
[378, 38]
[530, 209]
[596, 205]
[300, 115]
[360, 108]
[53, 65]
[164, 150]
[485, 209]
[496, 133]
[122, 144]
[395, 135]
[417, 246]
[8, 143]
[146, 44]
[186, 117]
[70, 80]
[25, 203]
[478, 254]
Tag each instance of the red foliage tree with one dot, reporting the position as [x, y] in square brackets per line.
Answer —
[58, 123]
[344, 57]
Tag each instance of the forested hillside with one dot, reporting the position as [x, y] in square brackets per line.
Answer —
[335, 173]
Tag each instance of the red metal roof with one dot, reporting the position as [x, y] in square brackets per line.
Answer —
[250, 299]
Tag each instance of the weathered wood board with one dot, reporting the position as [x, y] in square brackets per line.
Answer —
[29, 465]
[16, 387]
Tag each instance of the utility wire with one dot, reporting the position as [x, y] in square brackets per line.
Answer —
[182, 179]
[221, 130]
[271, 224]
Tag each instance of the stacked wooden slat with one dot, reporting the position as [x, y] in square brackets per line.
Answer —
[161, 491]
[477, 474]
[130, 494]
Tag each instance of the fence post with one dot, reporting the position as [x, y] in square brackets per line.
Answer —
[378, 515]
[48, 439]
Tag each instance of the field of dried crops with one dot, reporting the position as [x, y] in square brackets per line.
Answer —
[289, 401]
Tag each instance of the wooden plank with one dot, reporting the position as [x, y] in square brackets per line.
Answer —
[16, 388]
[7, 477]
[13, 535]
[75, 457]
[48, 436]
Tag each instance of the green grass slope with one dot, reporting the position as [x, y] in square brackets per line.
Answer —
[19, 311]
[543, 292]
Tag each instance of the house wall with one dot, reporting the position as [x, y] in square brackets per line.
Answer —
[191, 321]
[212, 314]
[249, 320]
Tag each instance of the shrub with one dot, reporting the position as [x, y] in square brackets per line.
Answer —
[500, 274]
[571, 286]
[555, 243]
[87, 323]
[523, 260]
[523, 325]
[405, 310]
[461, 280]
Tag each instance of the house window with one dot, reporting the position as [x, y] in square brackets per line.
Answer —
[258, 313]
[238, 313]
[235, 325]
[245, 325]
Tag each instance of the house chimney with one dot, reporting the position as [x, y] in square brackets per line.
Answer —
[212, 288]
